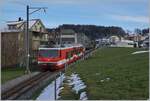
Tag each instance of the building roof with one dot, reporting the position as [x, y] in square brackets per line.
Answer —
[14, 22]
[31, 22]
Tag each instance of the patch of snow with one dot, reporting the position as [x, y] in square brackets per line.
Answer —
[69, 80]
[75, 82]
[83, 96]
[74, 76]
[138, 52]
[102, 80]
[107, 79]
[97, 74]
[77, 88]
[58, 91]
[77, 85]
[49, 92]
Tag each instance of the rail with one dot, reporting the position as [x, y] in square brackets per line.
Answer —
[19, 89]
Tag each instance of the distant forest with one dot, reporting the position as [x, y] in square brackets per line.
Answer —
[94, 31]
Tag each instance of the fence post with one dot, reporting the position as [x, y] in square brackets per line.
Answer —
[65, 67]
[83, 56]
[55, 89]
[61, 79]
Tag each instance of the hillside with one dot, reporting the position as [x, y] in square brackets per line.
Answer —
[94, 31]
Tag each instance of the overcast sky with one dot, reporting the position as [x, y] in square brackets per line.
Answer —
[128, 14]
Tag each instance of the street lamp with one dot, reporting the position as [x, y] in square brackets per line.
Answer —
[27, 35]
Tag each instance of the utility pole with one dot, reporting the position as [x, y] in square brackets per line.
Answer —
[60, 38]
[27, 36]
[27, 42]
[55, 89]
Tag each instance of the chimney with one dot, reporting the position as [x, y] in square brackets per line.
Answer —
[19, 19]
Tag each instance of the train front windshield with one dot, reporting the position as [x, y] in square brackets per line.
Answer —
[48, 53]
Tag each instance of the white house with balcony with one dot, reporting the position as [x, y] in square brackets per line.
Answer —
[37, 35]
[37, 31]
[68, 36]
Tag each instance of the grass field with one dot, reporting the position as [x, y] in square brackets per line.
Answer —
[11, 73]
[128, 75]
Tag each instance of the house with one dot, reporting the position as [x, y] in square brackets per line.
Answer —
[102, 42]
[68, 36]
[53, 37]
[146, 42]
[83, 39]
[37, 31]
[138, 39]
[114, 39]
[134, 37]
[37, 34]
[121, 42]
[125, 43]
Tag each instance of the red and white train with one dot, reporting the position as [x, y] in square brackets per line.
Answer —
[56, 58]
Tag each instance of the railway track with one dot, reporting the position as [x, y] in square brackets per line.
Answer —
[23, 87]
[20, 89]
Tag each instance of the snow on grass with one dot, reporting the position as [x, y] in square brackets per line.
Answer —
[74, 81]
[106, 79]
[102, 80]
[77, 85]
[49, 92]
[138, 52]
[83, 96]
[97, 74]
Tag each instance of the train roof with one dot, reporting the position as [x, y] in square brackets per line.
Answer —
[55, 48]
[61, 48]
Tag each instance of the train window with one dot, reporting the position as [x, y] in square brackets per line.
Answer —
[49, 53]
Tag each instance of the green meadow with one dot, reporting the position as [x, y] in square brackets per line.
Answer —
[113, 74]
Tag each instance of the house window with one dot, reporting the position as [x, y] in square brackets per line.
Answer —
[12, 27]
[40, 29]
[36, 28]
